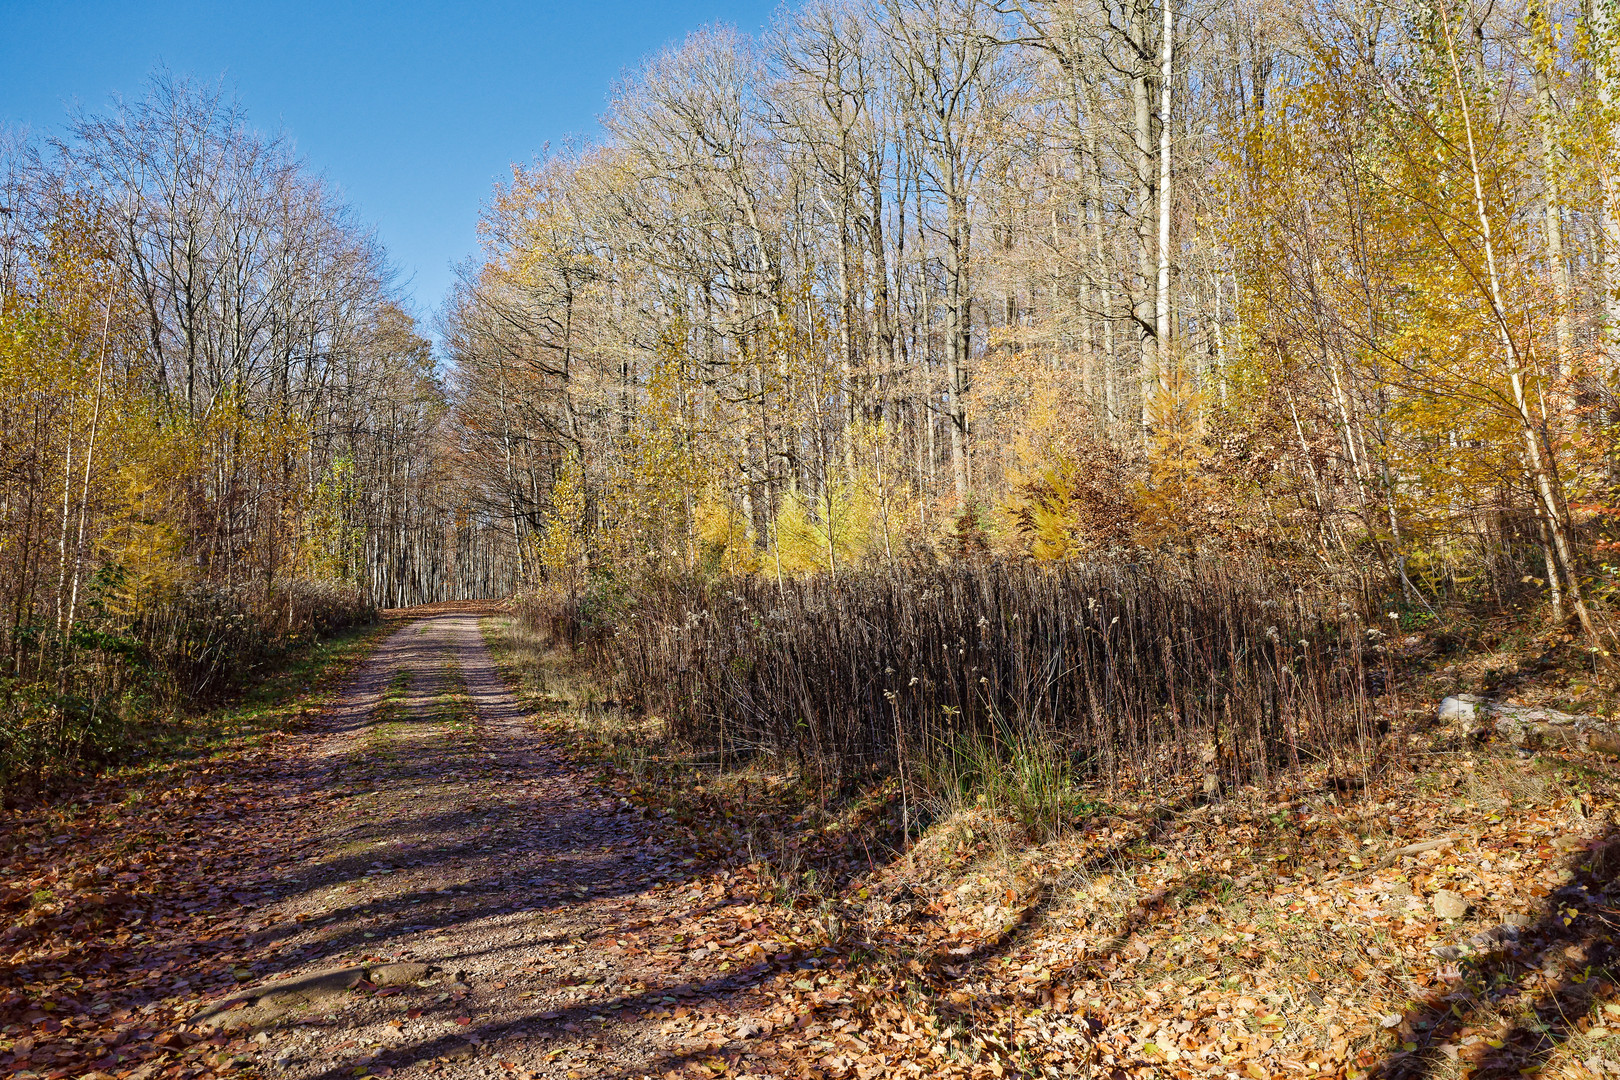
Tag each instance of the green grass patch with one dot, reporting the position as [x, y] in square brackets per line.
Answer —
[453, 707]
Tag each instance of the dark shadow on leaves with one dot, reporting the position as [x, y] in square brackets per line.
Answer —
[1550, 979]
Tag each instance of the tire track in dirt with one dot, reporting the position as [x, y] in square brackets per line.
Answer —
[474, 905]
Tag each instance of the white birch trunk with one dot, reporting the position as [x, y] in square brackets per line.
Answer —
[1162, 328]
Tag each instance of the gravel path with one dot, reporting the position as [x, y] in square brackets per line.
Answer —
[469, 905]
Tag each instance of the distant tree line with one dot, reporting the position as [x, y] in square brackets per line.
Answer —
[220, 429]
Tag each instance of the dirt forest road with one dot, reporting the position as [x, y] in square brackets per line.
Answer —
[468, 904]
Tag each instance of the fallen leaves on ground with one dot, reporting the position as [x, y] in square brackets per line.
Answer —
[1293, 933]
[128, 898]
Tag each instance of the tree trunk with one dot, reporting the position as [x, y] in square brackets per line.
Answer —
[1162, 328]
[1144, 304]
[1543, 469]
[1605, 16]
[1546, 113]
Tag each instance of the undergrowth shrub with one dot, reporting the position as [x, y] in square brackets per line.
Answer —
[1069, 673]
[75, 699]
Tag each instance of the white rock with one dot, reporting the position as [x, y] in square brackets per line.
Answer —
[1449, 905]
[1458, 709]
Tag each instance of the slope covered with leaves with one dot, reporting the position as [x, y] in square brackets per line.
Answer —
[1452, 917]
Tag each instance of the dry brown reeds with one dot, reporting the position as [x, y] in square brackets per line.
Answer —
[1136, 672]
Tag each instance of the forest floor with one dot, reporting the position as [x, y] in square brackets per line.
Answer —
[443, 867]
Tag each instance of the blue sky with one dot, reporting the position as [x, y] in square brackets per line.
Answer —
[413, 109]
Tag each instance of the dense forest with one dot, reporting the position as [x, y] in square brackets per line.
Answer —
[219, 425]
[1116, 379]
[1337, 285]
[1331, 292]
